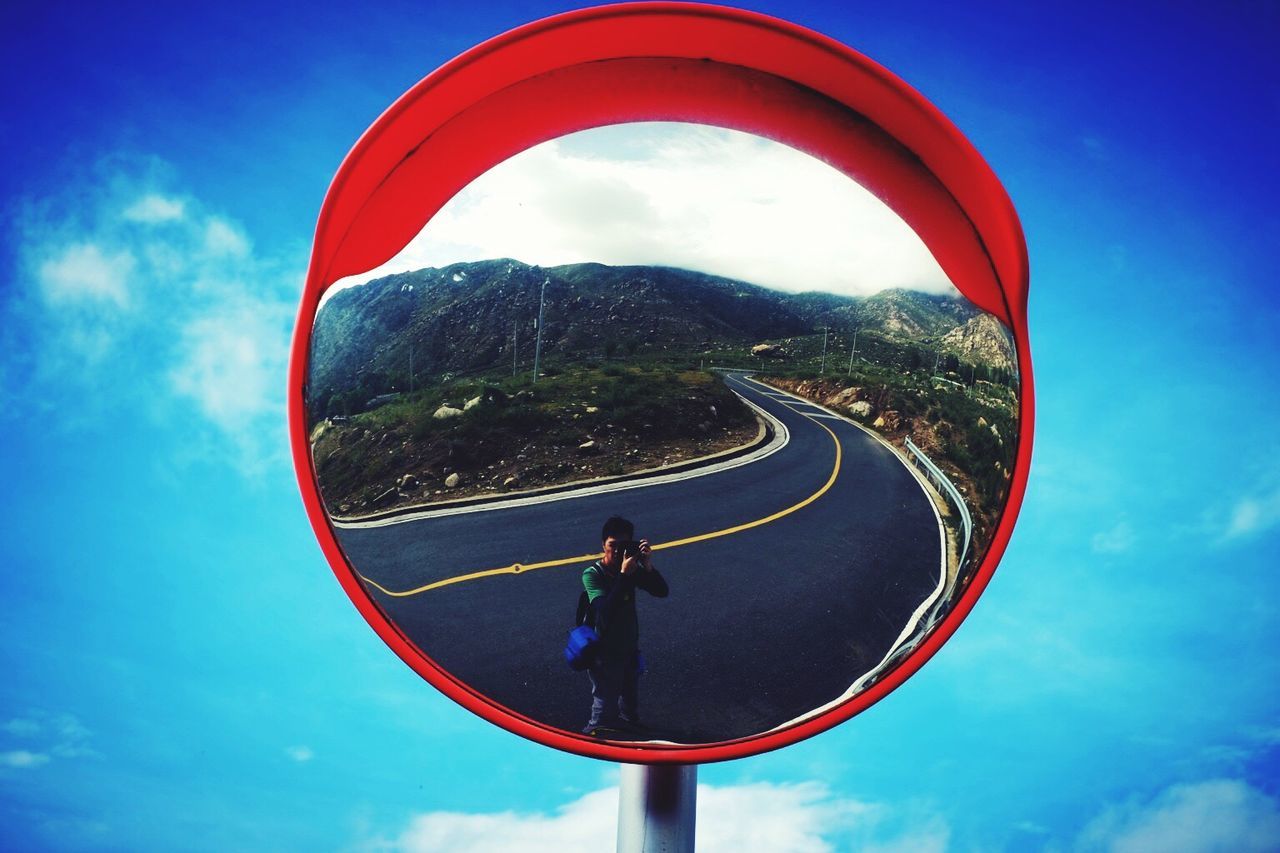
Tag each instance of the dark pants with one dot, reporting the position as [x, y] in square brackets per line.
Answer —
[614, 687]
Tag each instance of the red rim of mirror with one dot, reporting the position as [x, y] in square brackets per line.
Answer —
[666, 62]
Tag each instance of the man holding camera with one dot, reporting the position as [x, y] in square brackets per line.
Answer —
[611, 584]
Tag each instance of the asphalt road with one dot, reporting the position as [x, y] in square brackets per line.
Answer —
[841, 547]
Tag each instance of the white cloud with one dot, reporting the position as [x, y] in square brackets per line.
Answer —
[934, 836]
[180, 322]
[229, 361]
[757, 816]
[1214, 815]
[719, 201]
[1115, 540]
[763, 816]
[62, 735]
[585, 824]
[84, 272]
[21, 758]
[1249, 515]
[153, 209]
[21, 727]
[1254, 514]
[223, 238]
[300, 754]
[1266, 735]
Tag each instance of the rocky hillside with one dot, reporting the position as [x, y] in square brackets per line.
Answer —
[474, 439]
[972, 437]
[981, 340]
[466, 319]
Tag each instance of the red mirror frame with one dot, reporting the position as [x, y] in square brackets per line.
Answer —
[666, 62]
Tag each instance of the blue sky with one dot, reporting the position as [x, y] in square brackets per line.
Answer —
[182, 670]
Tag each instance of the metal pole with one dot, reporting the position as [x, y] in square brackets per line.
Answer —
[852, 351]
[823, 369]
[657, 805]
[515, 345]
[537, 347]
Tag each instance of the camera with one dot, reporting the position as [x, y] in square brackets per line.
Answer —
[630, 548]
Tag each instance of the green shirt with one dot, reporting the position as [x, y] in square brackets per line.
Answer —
[614, 596]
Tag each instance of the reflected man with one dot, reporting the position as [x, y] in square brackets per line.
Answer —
[611, 585]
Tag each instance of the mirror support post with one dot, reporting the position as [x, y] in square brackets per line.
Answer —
[657, 805]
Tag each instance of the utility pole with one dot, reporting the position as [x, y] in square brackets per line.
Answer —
[537, 348]
[515, 345]
[825, 329]
[657, 808]
[852, 351]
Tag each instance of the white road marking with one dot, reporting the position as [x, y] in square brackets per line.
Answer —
[924, 606]
[782, 437]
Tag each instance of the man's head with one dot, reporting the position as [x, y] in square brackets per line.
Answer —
[615, 531]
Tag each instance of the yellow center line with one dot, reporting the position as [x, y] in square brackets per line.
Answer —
[520, 568]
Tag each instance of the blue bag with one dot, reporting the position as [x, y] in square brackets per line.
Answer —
[580, 652]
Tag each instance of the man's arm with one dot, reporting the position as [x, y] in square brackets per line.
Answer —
[653, 583]
[648, 578]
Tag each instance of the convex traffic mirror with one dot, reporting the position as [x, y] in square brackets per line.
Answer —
[713, 386]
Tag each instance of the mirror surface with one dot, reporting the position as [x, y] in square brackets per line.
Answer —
[718, 338]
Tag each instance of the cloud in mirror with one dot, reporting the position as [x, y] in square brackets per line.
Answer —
[692, 387]
[682, 195]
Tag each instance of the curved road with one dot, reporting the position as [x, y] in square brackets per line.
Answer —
[791, 577]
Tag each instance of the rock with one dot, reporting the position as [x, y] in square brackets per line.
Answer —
[587, 447]
[472, 403]
[452, 480]
[511, 482]
[982, 422]
[446, 411]
[861, 409]
[591, 410]
[995, 431]
[888, 420]
[408, 481]
[767, 351]
[714, 414]
[844, 398]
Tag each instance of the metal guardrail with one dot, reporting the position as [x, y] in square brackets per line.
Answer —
[939, 479]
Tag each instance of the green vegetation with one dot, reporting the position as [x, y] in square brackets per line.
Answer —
[635, 414]
[965, 422]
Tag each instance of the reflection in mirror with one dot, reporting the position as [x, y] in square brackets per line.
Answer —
[806, 432]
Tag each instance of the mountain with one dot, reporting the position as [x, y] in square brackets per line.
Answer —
[465, 318]
[981, 340]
